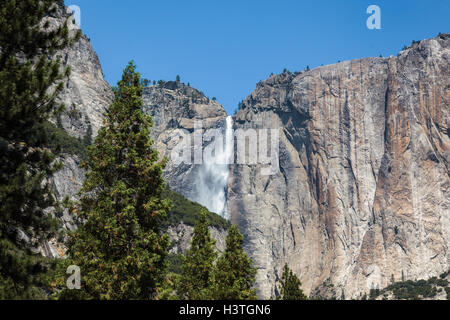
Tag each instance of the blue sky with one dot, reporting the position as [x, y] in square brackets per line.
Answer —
[225, 47]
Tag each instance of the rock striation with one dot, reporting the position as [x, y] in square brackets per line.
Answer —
[175, 106]
[363, 188]
[362, 192]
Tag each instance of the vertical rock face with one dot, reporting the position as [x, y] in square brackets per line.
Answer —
[86, 94]
[86, 97]
[363, 189]
[175, 106]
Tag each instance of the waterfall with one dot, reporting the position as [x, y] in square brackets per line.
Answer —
[212, 179]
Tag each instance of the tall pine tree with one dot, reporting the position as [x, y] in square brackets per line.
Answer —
[234, 274]
[119, 248]
[197, 268]
[290, 286]
[30, 81]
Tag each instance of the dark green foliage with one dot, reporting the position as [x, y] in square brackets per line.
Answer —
[32, 273]
[30, 80]
[87, 140]
[197, 269]
[175, 262]
[181, 269]
[62, 142]
[186, 211]
[168, 289]
[290, 288]
[178, 79]
[438, 281]
[234, 274]
[325, 291]
[445, 274]
[120, 248]
[232, 277]
[374, 293]
[412, 290]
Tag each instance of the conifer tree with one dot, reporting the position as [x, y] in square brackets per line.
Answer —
[234, 274]
[290, 286]
[120, 248]
[30, 81]
[197, 268]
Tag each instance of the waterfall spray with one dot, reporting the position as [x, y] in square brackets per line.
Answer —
[212, 180]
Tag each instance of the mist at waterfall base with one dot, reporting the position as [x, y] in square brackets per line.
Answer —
[212, 179]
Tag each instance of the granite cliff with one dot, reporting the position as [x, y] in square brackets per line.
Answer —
[175, 106]
[87, 97]
[363, 189]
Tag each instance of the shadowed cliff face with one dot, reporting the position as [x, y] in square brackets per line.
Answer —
[87, 96]
[175, 106]
[363, 187]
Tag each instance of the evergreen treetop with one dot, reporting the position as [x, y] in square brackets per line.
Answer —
[119, 248]
[197, 269]
[291, 286]
[234, 273]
